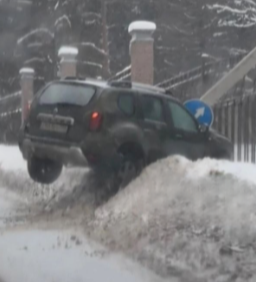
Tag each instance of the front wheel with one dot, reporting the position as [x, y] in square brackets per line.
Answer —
[44, 171]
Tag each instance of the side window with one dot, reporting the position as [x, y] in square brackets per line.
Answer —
[126, 103]
[181, 119]
[152, 108]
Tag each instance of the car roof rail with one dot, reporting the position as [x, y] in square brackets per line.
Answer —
[73, 78]
[169, 92]
[121, 84]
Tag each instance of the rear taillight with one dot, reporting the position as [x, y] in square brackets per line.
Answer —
[27, 109]
[95, 121]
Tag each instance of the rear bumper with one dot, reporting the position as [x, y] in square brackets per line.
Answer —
[65, 154]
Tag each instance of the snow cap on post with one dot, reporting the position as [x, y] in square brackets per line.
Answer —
[27, 90]
[27, 72]
[142, 30]
[68, 61]
[142, 51]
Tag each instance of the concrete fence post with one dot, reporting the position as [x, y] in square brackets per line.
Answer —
[27, 90]
[68, 62]
[142, 51]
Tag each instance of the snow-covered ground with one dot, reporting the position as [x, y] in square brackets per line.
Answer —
[187, 221]
[40, 256]
[40, 253]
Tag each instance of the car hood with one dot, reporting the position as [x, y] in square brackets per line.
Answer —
[219, 138]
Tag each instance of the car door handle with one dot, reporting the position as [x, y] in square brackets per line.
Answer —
[178, 136]
[158, 126]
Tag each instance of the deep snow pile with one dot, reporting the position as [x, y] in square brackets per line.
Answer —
[33, 250]
[188, 220]
[194, 221]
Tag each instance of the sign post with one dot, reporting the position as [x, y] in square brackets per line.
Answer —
[201, 111]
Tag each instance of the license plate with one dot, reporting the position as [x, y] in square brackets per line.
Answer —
[54, 127]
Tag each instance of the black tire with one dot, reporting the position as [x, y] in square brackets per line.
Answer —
[130, 168]
[44, 171]
[107, 181]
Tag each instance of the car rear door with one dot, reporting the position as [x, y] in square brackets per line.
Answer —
[184, 137]
[153, 122]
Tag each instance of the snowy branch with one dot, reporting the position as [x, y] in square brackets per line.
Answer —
[239, 14]
[93, 46]
[63, 19]
[25, 2]
[89, 14]
[91, 64]
[35, 60]
[34, 45]
[38, 31]
[10, 96]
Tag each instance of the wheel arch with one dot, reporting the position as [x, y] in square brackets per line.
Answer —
[132, 147]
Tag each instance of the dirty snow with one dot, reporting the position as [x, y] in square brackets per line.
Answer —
[185, 221]
[39, 256]
[34, 251]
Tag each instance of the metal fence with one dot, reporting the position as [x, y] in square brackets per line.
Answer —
[124, 74]
[195, 82]
[10, 117]
[236, 119]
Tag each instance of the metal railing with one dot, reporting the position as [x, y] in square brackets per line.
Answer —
[10, 117]
[236, 119]
[124, 74]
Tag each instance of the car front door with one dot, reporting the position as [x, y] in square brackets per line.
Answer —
[185, 138]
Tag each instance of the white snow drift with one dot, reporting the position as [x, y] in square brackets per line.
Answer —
[182, 219]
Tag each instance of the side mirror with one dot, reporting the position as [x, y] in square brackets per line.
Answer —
[203, 128]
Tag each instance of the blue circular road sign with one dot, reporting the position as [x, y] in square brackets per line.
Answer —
[201, 111]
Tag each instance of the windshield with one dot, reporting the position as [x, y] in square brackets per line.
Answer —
[67, 94]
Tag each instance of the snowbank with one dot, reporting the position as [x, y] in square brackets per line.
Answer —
[11, 158]
[33, 249]
[183, 218]
[15, 178]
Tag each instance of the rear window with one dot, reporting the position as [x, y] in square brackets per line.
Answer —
[67, 94]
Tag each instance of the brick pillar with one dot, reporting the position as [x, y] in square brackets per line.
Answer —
[142, 51]
[67, 61]
[27, 90]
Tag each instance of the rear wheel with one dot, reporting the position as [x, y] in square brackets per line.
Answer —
[44, 171]
[130, 168]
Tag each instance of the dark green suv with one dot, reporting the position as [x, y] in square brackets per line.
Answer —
[115, 126]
